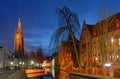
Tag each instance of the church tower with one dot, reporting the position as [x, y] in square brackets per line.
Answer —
[18, 41]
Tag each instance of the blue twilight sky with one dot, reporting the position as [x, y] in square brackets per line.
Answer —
[39, 19]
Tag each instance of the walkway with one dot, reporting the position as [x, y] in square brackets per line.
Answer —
[18, 75]
[4, 74]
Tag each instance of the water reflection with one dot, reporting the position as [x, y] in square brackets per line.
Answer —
[57, 76]
[43, 77]
[48, 77]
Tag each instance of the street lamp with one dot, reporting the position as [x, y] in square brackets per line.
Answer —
[23, 63]
[11, 63]
[32, 62]
[20, 62]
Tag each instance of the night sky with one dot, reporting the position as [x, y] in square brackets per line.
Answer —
[39, 19]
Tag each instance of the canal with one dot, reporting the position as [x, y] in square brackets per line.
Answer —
[50, 77]
[57, 73]
[57, 76]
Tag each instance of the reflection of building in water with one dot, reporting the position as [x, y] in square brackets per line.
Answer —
[5, 57]
[100, 43]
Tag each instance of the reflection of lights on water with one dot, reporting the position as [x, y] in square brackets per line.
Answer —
[53, 67]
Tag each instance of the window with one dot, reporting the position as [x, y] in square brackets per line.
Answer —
[112, 41]
[119, 41]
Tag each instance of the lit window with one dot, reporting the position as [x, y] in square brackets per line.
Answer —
[110, 57]
[119, 41]
[112, 40]
[96, 58]
[106, 43]
[117, 56]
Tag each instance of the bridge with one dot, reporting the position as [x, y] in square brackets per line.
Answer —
[31, 73]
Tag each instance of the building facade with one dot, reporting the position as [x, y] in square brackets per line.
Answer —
[100, 43]
[5, 57]
[18, 41]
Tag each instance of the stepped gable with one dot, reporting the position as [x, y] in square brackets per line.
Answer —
[90, 29]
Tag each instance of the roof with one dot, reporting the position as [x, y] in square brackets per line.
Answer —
[111, 24]
[90, 28]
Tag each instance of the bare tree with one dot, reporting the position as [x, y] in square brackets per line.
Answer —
[32, 55]
[39, 55]
[68, 26]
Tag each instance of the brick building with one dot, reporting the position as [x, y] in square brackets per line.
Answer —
[100, 43]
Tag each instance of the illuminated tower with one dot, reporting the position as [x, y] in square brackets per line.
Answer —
[18, 41]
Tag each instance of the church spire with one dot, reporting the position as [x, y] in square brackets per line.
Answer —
[19, 30]
[19, 41]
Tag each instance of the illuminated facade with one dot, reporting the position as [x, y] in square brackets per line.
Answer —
[100, 43]
[18, 41]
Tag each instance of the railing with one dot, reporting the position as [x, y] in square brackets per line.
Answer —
[92, 73]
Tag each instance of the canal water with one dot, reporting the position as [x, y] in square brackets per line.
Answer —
[53, 70]
[50, 77]
[43, 77]
[60, 77]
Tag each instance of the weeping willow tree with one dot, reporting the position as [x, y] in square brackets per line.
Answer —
[68, 25]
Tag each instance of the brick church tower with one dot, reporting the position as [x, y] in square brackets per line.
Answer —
[19, 42]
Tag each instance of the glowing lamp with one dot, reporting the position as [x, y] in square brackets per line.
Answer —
[107, 64]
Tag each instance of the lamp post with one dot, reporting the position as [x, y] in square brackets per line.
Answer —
[11, 63]
[32, 63]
